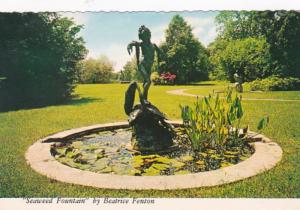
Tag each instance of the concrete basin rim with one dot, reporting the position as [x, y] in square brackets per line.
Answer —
[39, 158]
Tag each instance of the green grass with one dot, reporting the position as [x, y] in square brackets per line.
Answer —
[104, 103]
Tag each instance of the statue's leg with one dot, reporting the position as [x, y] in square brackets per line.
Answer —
[146, 86]
[147, 81]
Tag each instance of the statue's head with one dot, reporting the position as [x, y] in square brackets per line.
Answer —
[144, 33]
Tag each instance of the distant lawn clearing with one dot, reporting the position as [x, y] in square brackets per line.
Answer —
[204, 90]
[104, 103]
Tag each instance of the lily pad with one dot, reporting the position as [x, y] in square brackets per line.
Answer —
[216, 157]
[211, 151]
[83, 166]
[107, 169]
[85, 158]
[135, 172]
[61, 150]
[203, 154]
[138, 162]
[162, 159]
[151, 172]
[92, 147]
[244, 158]
[187, 158]
[177, 164]
[121, 169]
[80, 160]
[232, 153]
[200, 162]
[226, 164]
[125, 160]
[147, 156]
[230, 156]
[108, 148]
[160, 166]
[100, 164]
[73, 154]
[100, 151]
[99, 156]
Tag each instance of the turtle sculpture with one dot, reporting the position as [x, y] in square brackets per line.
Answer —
[150, 130]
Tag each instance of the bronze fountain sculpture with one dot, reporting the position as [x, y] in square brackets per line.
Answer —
[151, 132]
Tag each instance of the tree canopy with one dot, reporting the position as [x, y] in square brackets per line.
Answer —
[281, 29]
[130, 72]
[248, 57]
[185, 56]
[98, 70]
[38, 56]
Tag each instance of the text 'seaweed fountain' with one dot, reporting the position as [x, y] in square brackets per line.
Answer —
[150, 130]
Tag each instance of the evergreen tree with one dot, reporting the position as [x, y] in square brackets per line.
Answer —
[185, 56]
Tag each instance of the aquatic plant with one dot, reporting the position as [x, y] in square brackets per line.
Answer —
[214, 121]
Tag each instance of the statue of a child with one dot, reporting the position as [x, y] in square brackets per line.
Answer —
[148, 52]
[150, 130]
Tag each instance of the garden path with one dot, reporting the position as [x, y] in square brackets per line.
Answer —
[182, 92]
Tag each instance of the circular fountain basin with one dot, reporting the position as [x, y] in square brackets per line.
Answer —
[41, 158]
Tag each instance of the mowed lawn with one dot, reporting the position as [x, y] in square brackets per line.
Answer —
[104, 103]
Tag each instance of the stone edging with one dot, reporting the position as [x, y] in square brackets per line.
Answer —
[267, 155]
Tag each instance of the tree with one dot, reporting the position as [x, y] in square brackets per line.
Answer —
[185, 56]
[96, 70]
[249, 57]
[233, 25]
[280, 28]
[38, 56]
[215, 50]
[130, 72]
[125, 74]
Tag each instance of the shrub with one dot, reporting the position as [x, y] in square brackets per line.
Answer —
[38, 58]
[275, 83]
[155, 78]
[213, 121]
[249, 57]
[168, 78]
[163, 79]
[96, 70]
[130, 72]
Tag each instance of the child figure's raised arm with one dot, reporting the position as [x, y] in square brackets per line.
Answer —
[137, 50]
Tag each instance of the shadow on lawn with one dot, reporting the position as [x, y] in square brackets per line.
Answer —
[74, 100]
[81, 101]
